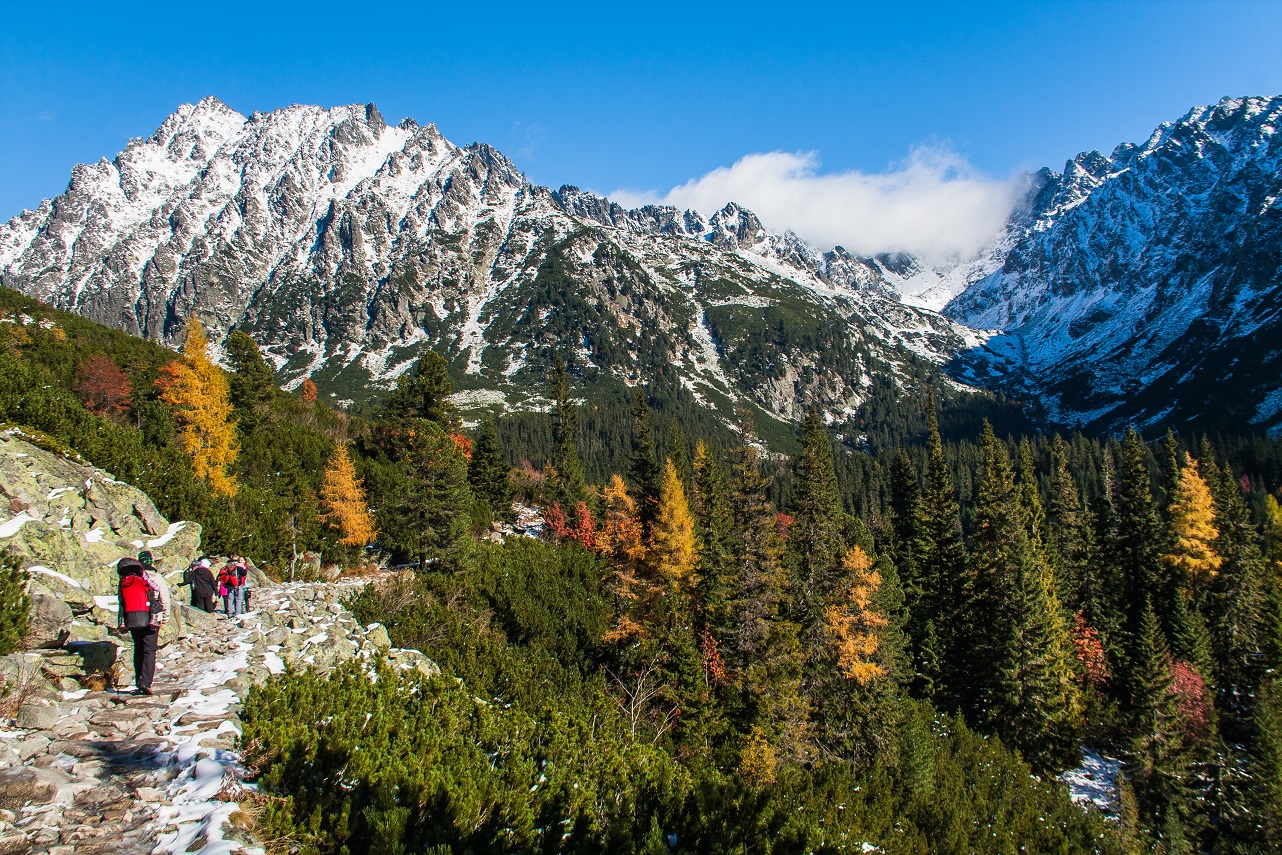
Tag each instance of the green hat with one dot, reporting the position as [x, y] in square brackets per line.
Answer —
[145, 556]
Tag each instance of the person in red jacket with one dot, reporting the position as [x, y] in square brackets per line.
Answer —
[143, 606]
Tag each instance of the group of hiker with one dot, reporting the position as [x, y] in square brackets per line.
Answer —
[228, 584]
[145, 603]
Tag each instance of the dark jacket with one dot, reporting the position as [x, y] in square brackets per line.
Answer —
[202, 581]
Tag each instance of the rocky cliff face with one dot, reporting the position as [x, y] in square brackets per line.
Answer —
[69, 524]
[1146, 285]
[345, 245]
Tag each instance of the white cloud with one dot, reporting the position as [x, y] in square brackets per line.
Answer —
[933, 205]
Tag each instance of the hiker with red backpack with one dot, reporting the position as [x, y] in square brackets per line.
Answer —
[143, 605]
[231, 583]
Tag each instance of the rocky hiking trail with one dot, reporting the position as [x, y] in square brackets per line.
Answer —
[111, 772]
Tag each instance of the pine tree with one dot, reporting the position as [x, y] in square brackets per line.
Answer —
[815, 537]
[1030, 499]
[1021, 672]
[15, 604]
[714, 518]
[197, 392]
[1161, 769]
[569, 487]
[644, 464]
[487, 470]
[764, 648]
[1136, 547]
[251, 383]
[1069, 539]
[1193, 530]
[342, 496]
[424, 392]
[941, 560]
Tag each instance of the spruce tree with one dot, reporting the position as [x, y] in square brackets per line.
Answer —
[815, 537]
[487, 470]
[1238, 601]
[1030, 499]
[644, 462]
[422, 495]
[679, 454]
[1070, 539]
[424, 392]
[905, 500]
[764, 650]
[252, 382]
[714, 518]
[569, 487]
[1022, 681]
[1137, 549]
[1267, 763]
[1160, 757]
[941, 559]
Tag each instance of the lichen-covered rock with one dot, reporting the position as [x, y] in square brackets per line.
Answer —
[50, 624]
[69, 524]
[74, 522]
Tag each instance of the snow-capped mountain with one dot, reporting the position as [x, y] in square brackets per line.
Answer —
[1145, 286]
[344, 246]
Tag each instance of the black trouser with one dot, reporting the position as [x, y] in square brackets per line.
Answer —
[204, 602]
[145, 645]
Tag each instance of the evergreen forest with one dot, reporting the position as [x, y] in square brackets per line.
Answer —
[892, 634]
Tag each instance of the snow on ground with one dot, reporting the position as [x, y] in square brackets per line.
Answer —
[173, 529]
[1094, 782]
[10, 527]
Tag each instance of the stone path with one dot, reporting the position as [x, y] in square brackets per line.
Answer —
[101, 772]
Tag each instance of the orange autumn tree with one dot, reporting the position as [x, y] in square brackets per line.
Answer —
[853, 627]
[342, 495]
[620, 539]
[103, 387]
[197, 392]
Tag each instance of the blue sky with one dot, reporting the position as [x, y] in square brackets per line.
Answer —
[643, 98]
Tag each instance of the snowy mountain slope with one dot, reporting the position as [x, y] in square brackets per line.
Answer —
[345, 245]
[1146, 286]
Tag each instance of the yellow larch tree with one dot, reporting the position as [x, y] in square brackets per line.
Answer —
[342, 495]
[854, 627]
[197, 392]
[673, 549]
[1193, 525]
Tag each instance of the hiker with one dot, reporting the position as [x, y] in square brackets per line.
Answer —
[203, 584]
[143, 605]
[231, 583]
[242, 569]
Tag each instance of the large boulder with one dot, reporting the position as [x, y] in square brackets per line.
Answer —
[50, 624]
[74, 522]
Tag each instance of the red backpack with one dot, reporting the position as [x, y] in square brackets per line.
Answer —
[139, 598]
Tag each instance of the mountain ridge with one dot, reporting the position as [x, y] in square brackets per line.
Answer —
[344, 245]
